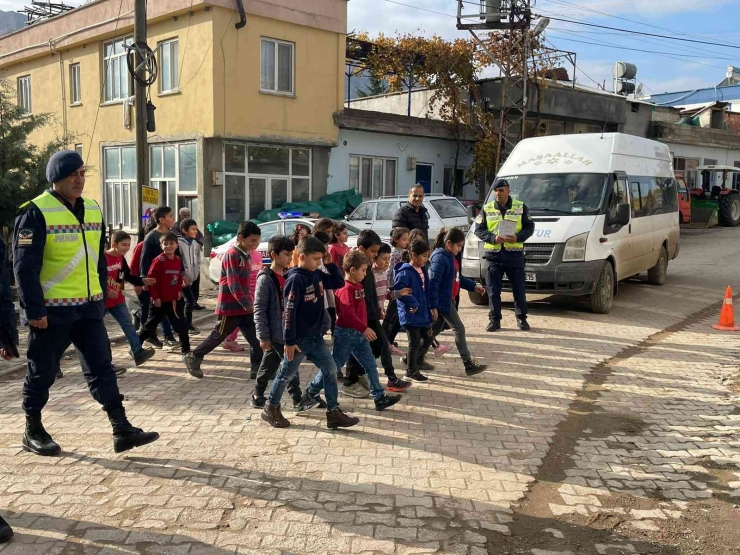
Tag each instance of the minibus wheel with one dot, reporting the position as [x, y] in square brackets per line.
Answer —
[603, 295]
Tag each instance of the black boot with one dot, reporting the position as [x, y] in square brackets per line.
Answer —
[493, 325]
[522, 324]
[472, 368]
[125, 436]
[6, 532]
[37, 439]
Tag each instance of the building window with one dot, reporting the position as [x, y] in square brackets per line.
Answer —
[169, 76]
[276, 73]
[75, 92]
[117, 85]
[259, 178]
[78, 149]
[173, 170]
[119, 193]
[373, 177]
[24, 93]
[685, 167]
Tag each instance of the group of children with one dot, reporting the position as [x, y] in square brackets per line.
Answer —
[315, 283]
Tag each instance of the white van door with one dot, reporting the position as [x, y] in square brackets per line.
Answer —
[641, 200]
[618, 237]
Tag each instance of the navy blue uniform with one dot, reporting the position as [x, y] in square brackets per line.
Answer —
[80, 325]
[506, 262]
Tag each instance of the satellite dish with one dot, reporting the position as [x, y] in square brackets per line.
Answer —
[638, 92]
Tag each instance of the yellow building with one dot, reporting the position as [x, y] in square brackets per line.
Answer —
[243, 116]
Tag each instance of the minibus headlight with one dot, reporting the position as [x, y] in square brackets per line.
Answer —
[575, 248]
[471, 249]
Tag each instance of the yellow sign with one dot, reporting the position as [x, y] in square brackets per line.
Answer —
[150, 196]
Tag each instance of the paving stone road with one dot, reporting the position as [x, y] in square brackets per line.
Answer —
[599, 434]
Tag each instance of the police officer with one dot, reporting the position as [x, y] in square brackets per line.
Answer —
[60, 268]
[505, 253]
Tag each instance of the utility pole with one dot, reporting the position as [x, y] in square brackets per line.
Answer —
[511, 19]
[142, 148]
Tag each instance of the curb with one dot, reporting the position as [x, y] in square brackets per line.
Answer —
[116, 339]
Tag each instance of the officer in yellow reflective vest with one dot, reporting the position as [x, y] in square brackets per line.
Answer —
[505, 251]
[61, 272]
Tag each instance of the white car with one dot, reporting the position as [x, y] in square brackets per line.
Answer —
[377, 214]
[269, 230]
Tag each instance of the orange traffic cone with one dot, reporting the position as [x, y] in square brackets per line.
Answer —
[726, 316]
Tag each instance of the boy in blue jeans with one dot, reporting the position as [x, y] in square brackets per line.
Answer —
[305, 321]
[352, 334]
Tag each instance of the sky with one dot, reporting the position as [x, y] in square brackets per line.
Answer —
[668, 66]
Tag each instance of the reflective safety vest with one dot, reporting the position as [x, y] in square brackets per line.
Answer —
[69, 274]
[493, 219]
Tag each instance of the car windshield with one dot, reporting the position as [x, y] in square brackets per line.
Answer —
[563, 193]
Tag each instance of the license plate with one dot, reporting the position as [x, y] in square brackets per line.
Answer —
[529, 277]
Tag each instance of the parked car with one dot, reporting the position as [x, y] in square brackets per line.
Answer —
[377, 214]
[684, 202]
[269, 230]
[605, 208]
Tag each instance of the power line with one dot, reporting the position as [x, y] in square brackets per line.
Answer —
[663, 54]
[659, 42]
[639, 49]
[723, 45]
[599, 12]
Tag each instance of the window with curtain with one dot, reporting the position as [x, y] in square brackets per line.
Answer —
[75, 92]
[373, 177]
[119, 192]
[117, 82]
[24, 93]
[173, 171]
[168, 66]
[276, 66]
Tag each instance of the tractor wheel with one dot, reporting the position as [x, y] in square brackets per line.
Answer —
[603, 295]
[657, 274]
[478, 299]
[729, 210]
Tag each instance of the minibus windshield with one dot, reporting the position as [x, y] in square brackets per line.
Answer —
[574, 194]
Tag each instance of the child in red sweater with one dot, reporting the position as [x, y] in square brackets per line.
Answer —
[166, 269]
[115, 302]
[352, 335]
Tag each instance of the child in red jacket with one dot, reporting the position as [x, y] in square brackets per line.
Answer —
[167, 270]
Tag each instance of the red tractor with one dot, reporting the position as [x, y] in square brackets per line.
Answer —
[715, 204]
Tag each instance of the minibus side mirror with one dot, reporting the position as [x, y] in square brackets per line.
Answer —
[471, 214]
[623, 215]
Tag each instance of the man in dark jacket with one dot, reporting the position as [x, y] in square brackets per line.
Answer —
[504, 225]
[413, 215]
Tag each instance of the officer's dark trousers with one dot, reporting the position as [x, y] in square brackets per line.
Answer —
[45, 350]
[223, 329]
[494, 278]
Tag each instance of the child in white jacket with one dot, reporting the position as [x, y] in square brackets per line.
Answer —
[190, 255]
